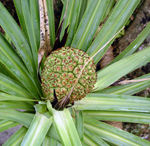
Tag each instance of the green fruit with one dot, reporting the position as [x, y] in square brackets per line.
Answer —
[61, 70]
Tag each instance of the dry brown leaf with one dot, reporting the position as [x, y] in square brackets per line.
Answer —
[132, 81]
[48, 48]
[42, 24]
[45, 47]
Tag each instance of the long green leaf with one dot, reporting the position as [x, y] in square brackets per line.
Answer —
[84, 144]
[49, 141]
[8, 97]
[82, 9]
[63, 11]
[16, 105]
[112, 73]
[37, 130]
[19, 11]
[113, 134]
[46, 141]
[109, 8]
[97, 140]
[50, 13]
[30, 29]
[17, 116]
[89, 141]
[35, 20]
[79, 124]
[42, 109]
[74, 22]
[119, 116]
[67, 12]
[12, 87]
[89, 24]
[110, 102]
[18, 39]
[5, 124]
[134, 45]
[16, 138]
[120, 14]
[53, 133]
[65, 128]
[7, 72]
[11, 60]
[128, 89]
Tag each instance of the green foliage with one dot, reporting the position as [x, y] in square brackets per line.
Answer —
[80, 124]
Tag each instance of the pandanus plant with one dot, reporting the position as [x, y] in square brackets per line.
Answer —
[48, 82]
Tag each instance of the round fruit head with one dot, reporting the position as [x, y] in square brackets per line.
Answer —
[61, 70]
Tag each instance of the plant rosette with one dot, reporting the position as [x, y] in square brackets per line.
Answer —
[67, 105]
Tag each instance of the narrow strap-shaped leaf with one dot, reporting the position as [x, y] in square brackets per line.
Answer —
[66, 15]
[74, 22]
[95, 139]
[30, 29]
[79, 124]
[37, 130]
[84, 144]
[46, 141]
[89, 141]
[49, 141]
[119, 116]
[7, 72]
[8, 97]
[111, 102]
[19, 11]
[35, 20]
[53, 133]
[5, 124]
[10, 86]
[52, 130]
[82, 9]
[109, 8]
[50, 13]
[89, 24]
[16, 105]
[36, 25]
[18, 39]
[17, 116]
[63, 11]
[128, 89]
[113, 134]
[134, 45]
[65, 128]
[112, 73]
[120, 14]
[12, 61]
[59, 144]
[16, 138]
[7, 38]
